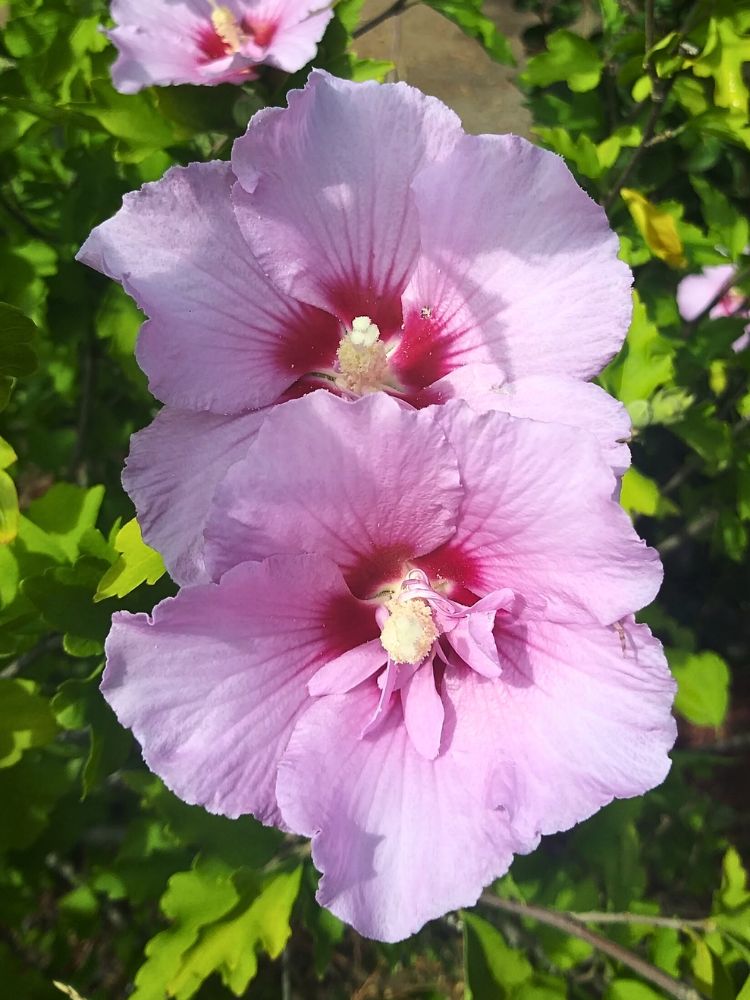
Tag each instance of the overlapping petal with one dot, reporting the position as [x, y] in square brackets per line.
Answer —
[537, 515]
[324, 195]
[171, 474]
[220, 337]
[518, 268]
[369, 484]
[557, 399]
[213, 683]
[400, 839]
[582, 711]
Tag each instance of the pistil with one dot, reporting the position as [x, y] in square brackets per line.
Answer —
[362, 357]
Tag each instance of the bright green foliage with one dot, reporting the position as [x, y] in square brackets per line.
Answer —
[137, 563]
[110, 886]
[570, 59]
[703, 682]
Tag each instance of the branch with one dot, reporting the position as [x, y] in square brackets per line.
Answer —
[570, 925]
[675, 923]
[393, 11]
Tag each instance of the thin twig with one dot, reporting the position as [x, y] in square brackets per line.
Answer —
[676, 923]
[691, 530]
[569, 925]
[393, 11]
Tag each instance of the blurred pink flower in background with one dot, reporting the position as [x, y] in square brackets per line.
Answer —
[359, 241]
[418, 650]
[697, 291]
[163, 42]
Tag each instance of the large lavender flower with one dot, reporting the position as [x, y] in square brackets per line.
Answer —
[359, 241]
[418, 649]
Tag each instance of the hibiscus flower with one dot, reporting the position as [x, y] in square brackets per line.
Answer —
[161, 42]
[359, 241]
[697, 291]
[417, 648]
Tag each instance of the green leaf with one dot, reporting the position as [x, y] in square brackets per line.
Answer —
[492, 969]
[703, 686]
[8, 509]
[230, 946]
[644, 364]
[570, 59]
[725, 224]
[26, 720]
[63, 595]
[17, 332]
[468, 16]
[65, 513]
[219, 923]
[193, 900]
[631, 989]
[28, 791]
[640, 495]
[348, 13]
[137, 564]
[726, 51]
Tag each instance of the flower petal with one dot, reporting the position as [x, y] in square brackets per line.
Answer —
[171, 473]
[367, 483]
[538, 517]
[326, 205]
[159, 42]
[348, 670]
[550, 398]
[424, 713]
[220, 337]
[696, 291]
[582, 712]
[518, 268]
[473, 640]
[300, 26]
[213, 683]
[400, 839]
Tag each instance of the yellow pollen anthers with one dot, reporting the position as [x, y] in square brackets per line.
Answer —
[362, 357]
[409, 632]
[226, 27]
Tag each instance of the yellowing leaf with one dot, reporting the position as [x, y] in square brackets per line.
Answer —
[657, 227]
[138, 563]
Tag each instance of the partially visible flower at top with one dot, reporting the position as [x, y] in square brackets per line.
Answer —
[359, 241]
[697, 291]
[418, 649]
[162, 42]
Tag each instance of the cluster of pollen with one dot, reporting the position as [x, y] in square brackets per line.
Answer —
[226, 27]
[362, 358]
[409, 631]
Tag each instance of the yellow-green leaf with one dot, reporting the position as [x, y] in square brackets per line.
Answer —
[138, 563]
[656, 226]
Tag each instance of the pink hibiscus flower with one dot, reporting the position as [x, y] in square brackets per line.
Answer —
[696, 291]
[418, 650]
[359, 241]
[161, 42]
